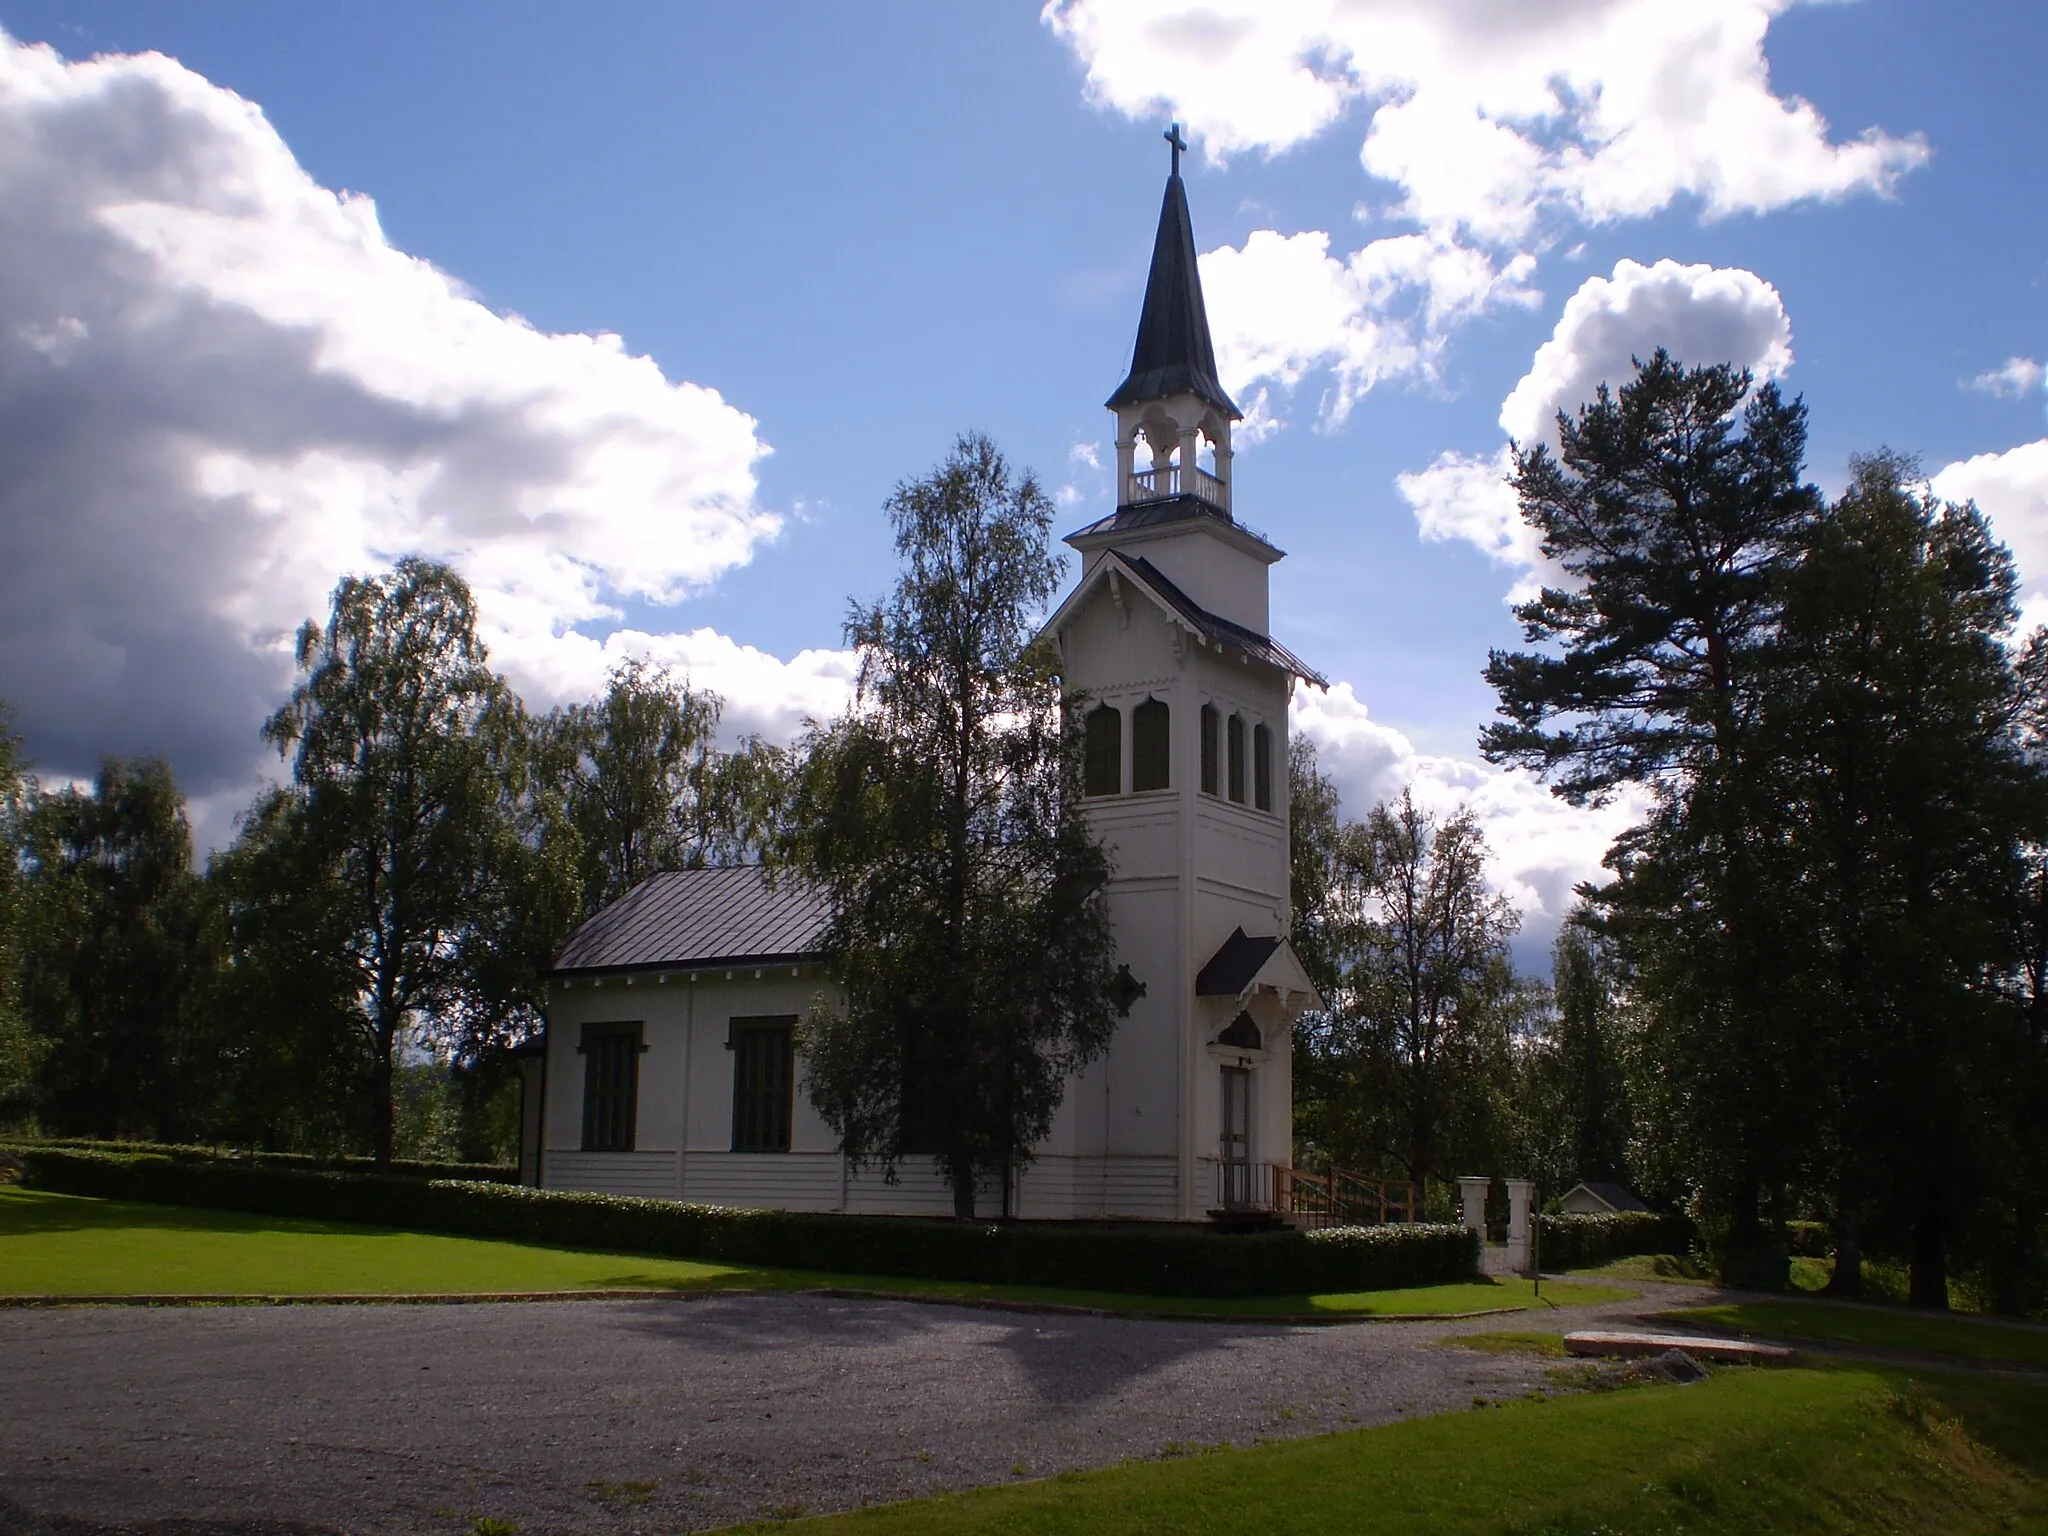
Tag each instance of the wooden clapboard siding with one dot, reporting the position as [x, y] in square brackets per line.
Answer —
[1061, 1188]
[1147, 1187]
[919, 1190]
[652, 1174]
[787, 1181]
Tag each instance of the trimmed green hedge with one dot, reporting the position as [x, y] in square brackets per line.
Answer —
[1145, 1260]
[410, 1168]
[1583, 1242]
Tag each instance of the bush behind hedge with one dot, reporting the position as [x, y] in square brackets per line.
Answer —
[1584, 1242]
[1810, 1239]
[1155, 1260]
[412, 1168]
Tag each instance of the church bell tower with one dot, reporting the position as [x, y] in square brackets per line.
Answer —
[1167, 653]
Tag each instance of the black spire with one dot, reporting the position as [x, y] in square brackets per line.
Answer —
[1174, 355]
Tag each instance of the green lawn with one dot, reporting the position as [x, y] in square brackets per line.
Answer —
[65, 1245]
[1876, 1328]
[1505, 1342]
[1670, 1268]
[1804, 1450]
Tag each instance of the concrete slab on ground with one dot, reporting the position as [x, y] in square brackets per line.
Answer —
[1634, 1345]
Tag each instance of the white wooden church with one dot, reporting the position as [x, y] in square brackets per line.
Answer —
[668, 1067]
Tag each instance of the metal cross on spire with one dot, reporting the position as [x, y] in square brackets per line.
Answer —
[1173, 137]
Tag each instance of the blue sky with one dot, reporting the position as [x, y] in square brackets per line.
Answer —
[869, 228]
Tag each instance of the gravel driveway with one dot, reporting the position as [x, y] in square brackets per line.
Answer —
[615, 1417]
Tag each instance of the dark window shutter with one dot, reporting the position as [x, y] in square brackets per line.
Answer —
[1151, 745]
[1102, 762]
[611, 1086]
[1236, 734]
[1211, 722]
[763, 1082]
[1262, 767]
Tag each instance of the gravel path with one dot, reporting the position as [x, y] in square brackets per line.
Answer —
[617, 1417]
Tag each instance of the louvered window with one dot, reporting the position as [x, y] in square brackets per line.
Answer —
[1262, 768]
[1212, 724]
[763, 1082]
[611, 1085]
[1151, 745]
[1102, 764]
[1236, 735]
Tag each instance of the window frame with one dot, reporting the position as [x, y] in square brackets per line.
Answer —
[763, 1113]
[611, 1112]
[1097, 756]
[1153, 747]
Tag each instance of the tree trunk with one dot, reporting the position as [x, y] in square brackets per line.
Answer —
[1929, 1287]
[1846, 1279]
[380, 1087]
[1746, 1230]
[2013, 1284]
[960, 1174]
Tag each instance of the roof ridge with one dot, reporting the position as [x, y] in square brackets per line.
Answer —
[1215, 625]
[1173, 353]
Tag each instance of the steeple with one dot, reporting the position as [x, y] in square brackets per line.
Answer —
[1171, 400]
[1174, 355]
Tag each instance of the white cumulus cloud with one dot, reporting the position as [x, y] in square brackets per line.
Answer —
[1487, 115]
[1281, 306]
[2011, 490]
[1700, 314]
[2015, 377]
[222, 387]
[1540, 847]
[1467, 496]
[1500, 126]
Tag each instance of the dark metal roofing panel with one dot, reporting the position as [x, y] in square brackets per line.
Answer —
[1231, 969]
[1216, 627]
[1150, 514]
[1173, 354]
[701, 917]
[1616, 1196]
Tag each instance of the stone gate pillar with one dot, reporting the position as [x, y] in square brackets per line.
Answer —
[1521, 1226]
[1472, 1202]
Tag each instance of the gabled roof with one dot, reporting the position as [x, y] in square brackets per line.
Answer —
[1184, 611]
[1213, 625]
[1173, 355]
[698, 918]
[1244, 964]
[1616, 1197]
[1232, 968]
[1161, 509]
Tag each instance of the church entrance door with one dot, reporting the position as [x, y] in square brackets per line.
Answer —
[1237, 1138]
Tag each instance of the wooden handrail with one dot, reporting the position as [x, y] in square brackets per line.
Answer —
[1171, 480]
[1337, 1196]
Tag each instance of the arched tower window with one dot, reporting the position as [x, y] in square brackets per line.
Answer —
[1236, 741]
[1212, 726]
[1151, 744]
[1102, 756]
[1262, 767]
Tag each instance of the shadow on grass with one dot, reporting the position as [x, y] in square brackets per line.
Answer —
[454, 1264]
[28, 1212]
[33, 1213]
[1870, 1326]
